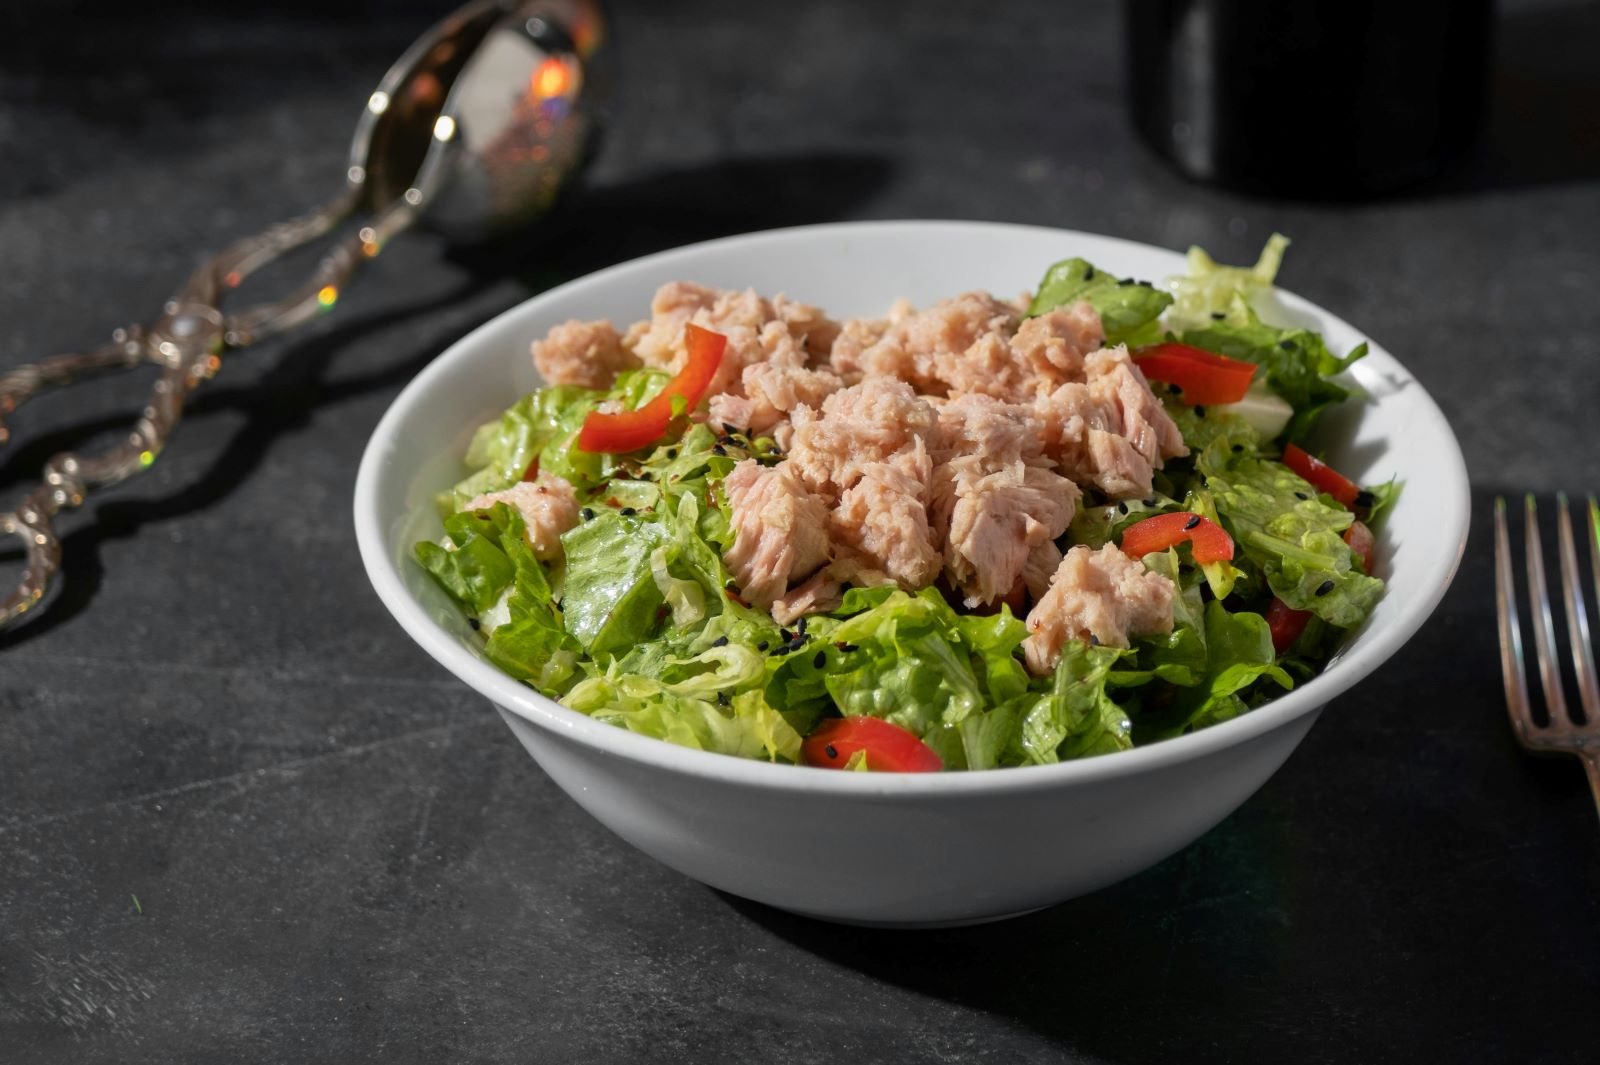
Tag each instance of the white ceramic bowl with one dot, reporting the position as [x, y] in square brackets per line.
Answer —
[881, 848]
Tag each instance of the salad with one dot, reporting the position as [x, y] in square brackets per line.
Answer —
[982, 534]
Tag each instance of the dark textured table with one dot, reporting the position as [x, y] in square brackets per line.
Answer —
[243, 818]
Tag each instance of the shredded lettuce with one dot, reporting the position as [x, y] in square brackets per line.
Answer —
[1209, 288]
[1293, 535]
[743, 725]
[1076, 717]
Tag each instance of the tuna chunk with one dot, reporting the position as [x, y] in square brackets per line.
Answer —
[780, 530]
[1115, 381]
[772, 391]
[1053, 345]
[1110, 431]
[1039, 567]
[548, 508]
[993, 521]
[879, 420]
[854, 338]
[994, 499]
[816, 595]
[815, 330]
[582, 353]
[883, 520]
[1103, 595]
[758, 330]
[928, 348]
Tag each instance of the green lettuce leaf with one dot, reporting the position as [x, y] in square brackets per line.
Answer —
[1238, 654]
[473, 568]
[1294, 536]
[1076, 717]
[501, 450]
[1297, 363]
[1210, 288]
[743, 725]
[491, 563]
[913, 661]
[1128, 309]
[610, 597]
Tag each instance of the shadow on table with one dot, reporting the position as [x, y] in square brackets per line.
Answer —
[595, 228]
[1409, 884]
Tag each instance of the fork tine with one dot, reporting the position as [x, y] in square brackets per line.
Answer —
[1594, 547]
[1544, 625]
[1505, 595]
[1577, 617]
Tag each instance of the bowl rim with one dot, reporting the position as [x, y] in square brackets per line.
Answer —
[504, 691]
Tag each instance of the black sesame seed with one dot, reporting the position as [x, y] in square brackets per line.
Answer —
[821, 659]
[1238, 447]
[845, 647]
[1301, 495]
[475, 623]
[1325, 587]
[588, 513]
[800, 626]
[1125, 282]
[762, 646]
[1217, 316]
[1177, 390]
[1199, 411]
[1149, 502]
[720, 641]
[718, 449]
[786, 635]
[722, 697]
[1286, 345]
[1094, 641]
[628, 512]
[646, 475]
[1122, 508]
[1192, 522]
[1088, 273]
[831, 751]
[1365, 498]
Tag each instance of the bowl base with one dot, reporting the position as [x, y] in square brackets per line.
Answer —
[914, 926]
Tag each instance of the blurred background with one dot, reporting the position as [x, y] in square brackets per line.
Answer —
[137, 137]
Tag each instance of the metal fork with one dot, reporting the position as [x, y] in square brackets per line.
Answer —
[1566, 733]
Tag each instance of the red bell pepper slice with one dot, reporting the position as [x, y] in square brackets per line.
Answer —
[889, 748]
[1209, 541]
[1204, 376]
[631, 430]
[1286, 624]
[1361, 542]
[1321, 476]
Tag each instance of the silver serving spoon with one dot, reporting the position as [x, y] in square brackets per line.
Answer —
[473, 132]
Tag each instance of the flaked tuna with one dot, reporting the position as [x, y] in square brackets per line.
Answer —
[758, 330]
[880, 420]
[771, 392]
[582, 353]
[1096, 596]
[1109, 431]
[994, 500]
[882, 519]
[780, 530]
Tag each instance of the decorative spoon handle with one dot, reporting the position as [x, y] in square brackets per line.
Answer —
[187, 342]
